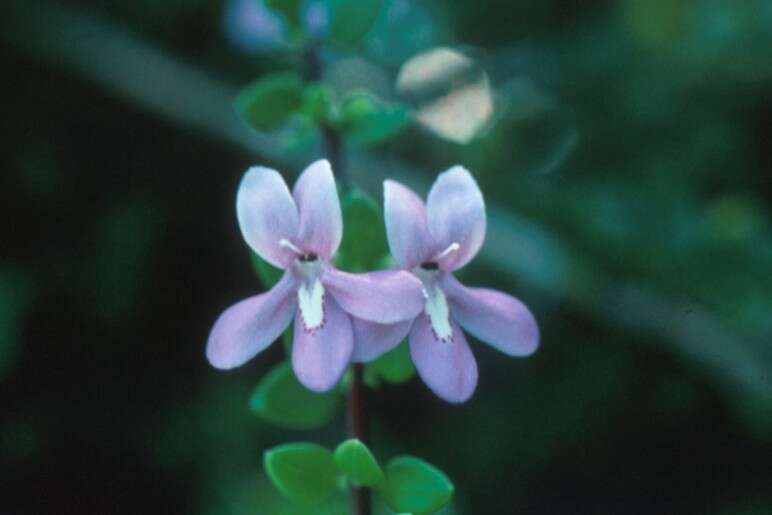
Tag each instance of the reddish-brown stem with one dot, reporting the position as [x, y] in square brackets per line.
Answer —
[332, 142]
[357, 423]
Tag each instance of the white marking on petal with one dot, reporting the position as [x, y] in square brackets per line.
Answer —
[311, 304]
[436, 308]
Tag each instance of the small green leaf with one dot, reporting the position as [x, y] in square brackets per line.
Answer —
[351, 20]
[290, 9]
[267, 102]
[382, 126]
[282, 400]
[266, 272]
[298, 134]
[317, 102]
[356, 107]
[396, 366]
[364, 240]
[356, 461]
[415, 486]
[369, 121]
[303, 472]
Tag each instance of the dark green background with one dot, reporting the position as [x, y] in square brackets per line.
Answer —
[633, 216]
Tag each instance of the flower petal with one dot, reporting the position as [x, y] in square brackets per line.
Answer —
[320, 356]
[494, 317]
[372, 340]
[251, 325]
[386, 296]
[448, 368]
[267, 214]
[321, 223]
[455, 213]
[406, 230]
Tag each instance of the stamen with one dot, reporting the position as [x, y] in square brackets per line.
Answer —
[453, 247]
[430, 265]
[289, 245]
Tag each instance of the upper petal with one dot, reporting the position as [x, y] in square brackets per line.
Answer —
[448, 368]
[455, 213]
[372, 340]
[251, 325]
[385, 296]
[266, 214]
[320, 356]
[494, 317]
[321, 223]
[406, 230]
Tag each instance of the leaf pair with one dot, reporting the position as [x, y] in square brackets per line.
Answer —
[268, 102]
[308, 473]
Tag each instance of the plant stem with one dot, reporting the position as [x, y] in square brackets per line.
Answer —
[332, 143]
[357, 421]
[333, 148]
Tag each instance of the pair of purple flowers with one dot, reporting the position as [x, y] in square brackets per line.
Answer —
[342, 317]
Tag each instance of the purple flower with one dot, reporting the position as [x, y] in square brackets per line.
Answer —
[253, 27]
[300, 233]
[432, 240]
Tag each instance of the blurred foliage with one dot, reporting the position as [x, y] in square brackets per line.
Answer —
[351, 20]
[625, 163]
[395, 366]
[364, 239]
[280, 399]
[269, 100]
[15, 295]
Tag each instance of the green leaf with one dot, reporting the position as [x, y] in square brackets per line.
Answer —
[297, 135]
[364, 240]
[303, 472]
[413, 485]
[317, 102]
[266, 272]
[356, 461]
[357, 106]
[282, 400]
[290, 9]
[382, 125]
[351, 20]
[266, 103]
[369, 121]
[396, 366]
